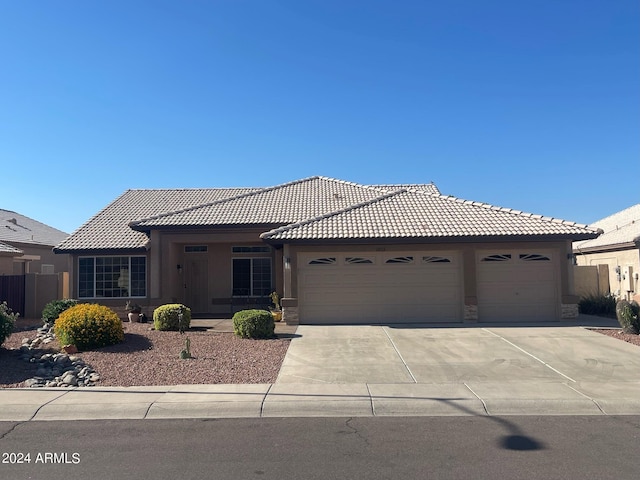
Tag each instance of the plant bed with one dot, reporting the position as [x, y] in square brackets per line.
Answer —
[619, 334]
[150, 357]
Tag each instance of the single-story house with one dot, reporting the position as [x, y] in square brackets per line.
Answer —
[31, 275]
[336, 252]
[28, 243]
[618, 248]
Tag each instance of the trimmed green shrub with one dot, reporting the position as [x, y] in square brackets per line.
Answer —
[598, 304]
[7, 321]
[254, 324]
[89, 326]
[167, 317]
[53, 309]
[628, 316]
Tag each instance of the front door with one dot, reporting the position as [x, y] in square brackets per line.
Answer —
[196, 285]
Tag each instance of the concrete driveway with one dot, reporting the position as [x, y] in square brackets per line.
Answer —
[509, 369]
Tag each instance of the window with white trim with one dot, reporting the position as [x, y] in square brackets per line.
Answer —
[112, 277]
[251, 277]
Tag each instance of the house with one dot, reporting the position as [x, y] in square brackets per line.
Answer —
[337, 252]
[617, 250]
[29, 244]
[31, 275]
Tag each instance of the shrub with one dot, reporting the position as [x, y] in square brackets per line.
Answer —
[89, 326]
[167, 317]
[253, 324]
[598, 304]
[7, 321]
[52, 310]
[628, 316]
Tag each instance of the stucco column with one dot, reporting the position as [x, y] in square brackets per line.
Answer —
[470, 285]
[569, 300]
[289, 300]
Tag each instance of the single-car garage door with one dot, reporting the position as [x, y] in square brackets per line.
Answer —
[380, 287]
[517, 286]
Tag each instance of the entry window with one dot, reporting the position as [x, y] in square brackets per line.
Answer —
[251, 277]
[112, 277]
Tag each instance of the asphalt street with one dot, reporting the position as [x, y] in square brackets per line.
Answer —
[531, 447]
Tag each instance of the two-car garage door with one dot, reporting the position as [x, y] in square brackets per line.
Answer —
[380, 287]
[425, 287]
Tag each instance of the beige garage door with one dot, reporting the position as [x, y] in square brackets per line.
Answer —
[517, 286]
[379, 287]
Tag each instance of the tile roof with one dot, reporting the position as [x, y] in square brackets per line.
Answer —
[311, 208]
[17, 228]
[109, 229]
[6, 248]
[415, 214]
[621, 228]
[279, 205]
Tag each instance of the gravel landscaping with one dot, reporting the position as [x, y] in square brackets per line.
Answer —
[148, 357]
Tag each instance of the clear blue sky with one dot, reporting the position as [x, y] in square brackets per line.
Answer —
[533, 105]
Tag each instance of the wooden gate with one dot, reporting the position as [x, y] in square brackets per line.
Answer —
[12, 291]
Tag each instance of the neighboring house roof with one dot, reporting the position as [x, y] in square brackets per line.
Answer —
[109, 229]
[621, 230]
[408, 214]
[9, 249]
[311, 208]
[16, 228]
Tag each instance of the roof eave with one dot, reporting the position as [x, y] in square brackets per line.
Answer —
[100, 251]
[431, 240]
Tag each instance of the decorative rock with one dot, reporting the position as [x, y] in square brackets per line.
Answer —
[70, 349]
[55, 370]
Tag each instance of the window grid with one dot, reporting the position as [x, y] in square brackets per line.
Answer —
[251, 277]
[111, 277]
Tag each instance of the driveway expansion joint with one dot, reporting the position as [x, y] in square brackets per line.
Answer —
[530, 354]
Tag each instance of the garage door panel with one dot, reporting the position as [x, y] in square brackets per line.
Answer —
[379, 292]
[514, 288]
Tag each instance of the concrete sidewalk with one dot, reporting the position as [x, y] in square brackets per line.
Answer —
[325, 400]
[543, 369]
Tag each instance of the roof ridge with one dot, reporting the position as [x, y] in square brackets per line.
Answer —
[377, 188]
[620, 213]
[511, 211]
[220, 201]
[332, 214]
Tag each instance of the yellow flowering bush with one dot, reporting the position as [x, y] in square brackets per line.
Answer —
[89, 326]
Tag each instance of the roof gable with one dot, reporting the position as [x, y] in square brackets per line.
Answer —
[109, 229]
[17, 228]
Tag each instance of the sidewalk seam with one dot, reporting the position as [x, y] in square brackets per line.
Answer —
[587, 396]
[373, 410]
[50, 401]
[484, 405]
[264, 399]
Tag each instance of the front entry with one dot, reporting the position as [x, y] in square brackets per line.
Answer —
[196, 282]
